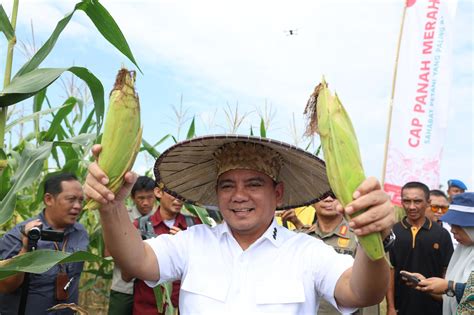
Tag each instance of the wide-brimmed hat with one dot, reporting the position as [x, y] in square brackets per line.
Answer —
[461, 210]
[189, 169]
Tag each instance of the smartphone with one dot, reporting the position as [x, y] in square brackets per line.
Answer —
[409, 277]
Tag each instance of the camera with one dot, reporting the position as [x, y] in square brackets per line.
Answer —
[37, 233]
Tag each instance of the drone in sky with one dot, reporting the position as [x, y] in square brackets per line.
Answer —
[291, 32]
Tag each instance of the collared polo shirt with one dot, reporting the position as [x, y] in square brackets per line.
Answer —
[144, 302]
[41, 293]
[426, 250]
[218, 277]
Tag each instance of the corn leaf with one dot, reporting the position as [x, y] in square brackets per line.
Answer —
[168, 286]
[101, 19]
[40, 261]
[5, 175]
[5, 25]
[58, 119]
[199, 212]
[27, 118]
[29, 168]
[88, 123]
[146, 146]
[107, 27]
[159, 299]
[263, 131]
[191, 131]
[162, 140]
[27, 85]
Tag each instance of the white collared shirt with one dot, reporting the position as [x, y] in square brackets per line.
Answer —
[281, 273]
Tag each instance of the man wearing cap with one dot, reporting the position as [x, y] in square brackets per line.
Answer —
[233, 267]
[455, 187]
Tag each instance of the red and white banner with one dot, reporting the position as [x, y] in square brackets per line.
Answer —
[421, 96]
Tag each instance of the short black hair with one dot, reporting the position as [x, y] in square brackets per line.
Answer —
[439, 193]
[418, 185]
[52, 185]
[143, 183]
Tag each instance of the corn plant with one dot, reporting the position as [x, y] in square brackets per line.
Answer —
[64, 146]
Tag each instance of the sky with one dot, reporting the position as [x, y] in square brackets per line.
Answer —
[208, 59]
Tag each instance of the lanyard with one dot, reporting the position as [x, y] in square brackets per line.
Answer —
[64, 245]
[61, 267]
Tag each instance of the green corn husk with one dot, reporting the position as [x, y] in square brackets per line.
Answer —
[341, 152]
[122, 135]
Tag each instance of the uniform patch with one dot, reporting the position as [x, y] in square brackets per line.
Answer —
[436, 246]
[343, 242]
[343, 230]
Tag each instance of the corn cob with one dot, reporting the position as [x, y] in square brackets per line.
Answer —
[341, 153]
[122, 132]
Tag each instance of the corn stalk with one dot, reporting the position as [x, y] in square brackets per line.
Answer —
[6, 79]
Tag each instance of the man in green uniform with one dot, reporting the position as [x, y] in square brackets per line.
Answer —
[332, 229]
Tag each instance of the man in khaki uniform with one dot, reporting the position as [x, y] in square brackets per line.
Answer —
[332, 229]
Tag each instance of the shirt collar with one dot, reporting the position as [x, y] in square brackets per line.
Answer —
[275, 233]
[427, 225]
[180, 220]
[46, 225]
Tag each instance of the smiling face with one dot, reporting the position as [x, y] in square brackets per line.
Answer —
[247, 201]
[414, 202]
[63, 209]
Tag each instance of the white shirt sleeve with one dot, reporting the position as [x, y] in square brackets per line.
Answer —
[171, 254]
[328, 268]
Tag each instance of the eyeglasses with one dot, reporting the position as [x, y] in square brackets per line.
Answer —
[443, 209]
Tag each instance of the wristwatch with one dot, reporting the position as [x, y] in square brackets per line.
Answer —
[450, 290]
[389, 241]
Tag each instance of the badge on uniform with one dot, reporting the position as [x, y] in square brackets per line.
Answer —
[343, 242]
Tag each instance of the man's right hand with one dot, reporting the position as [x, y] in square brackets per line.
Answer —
[96, 180]
[290, 215]
[27, 227]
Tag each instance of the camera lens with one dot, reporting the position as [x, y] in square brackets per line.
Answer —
[34, 233]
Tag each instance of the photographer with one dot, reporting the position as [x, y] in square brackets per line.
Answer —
[55, 228]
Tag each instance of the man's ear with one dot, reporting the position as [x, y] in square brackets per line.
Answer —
[48, 199]
[158, 192]
[279, 190]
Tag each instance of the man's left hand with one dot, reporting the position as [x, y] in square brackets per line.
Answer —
[174, 230]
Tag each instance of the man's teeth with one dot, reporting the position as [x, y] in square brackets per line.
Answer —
[242, 210]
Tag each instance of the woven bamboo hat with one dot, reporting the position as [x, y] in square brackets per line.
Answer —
[189, 169]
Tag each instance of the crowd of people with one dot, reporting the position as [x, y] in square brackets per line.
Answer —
[303, 258]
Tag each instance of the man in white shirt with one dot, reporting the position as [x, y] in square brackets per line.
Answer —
[235, 268]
